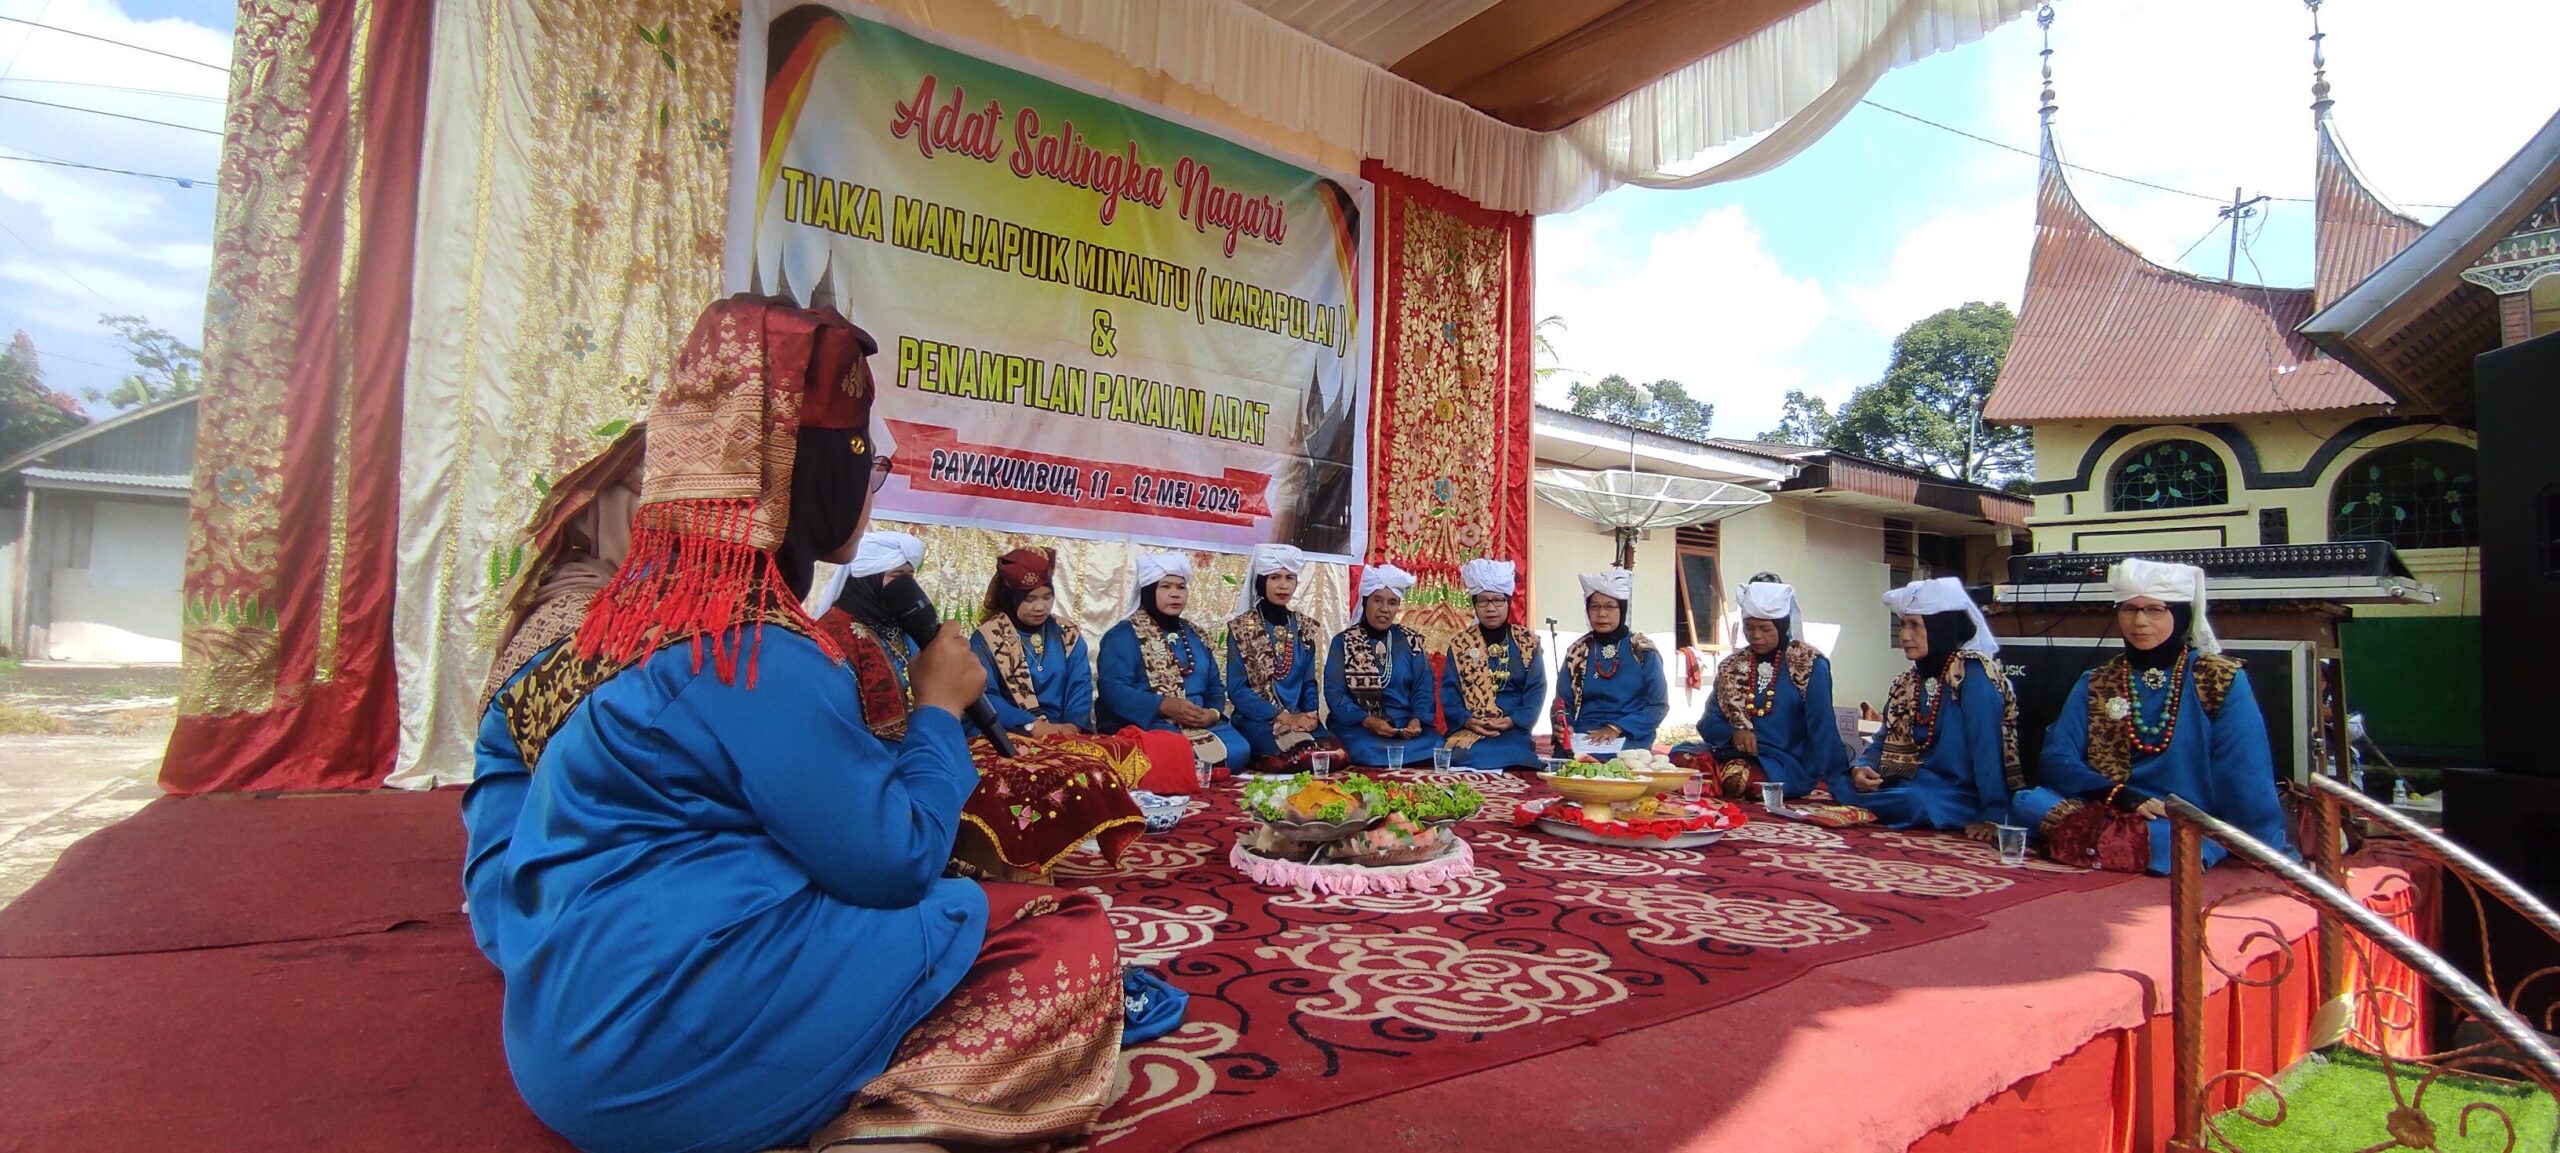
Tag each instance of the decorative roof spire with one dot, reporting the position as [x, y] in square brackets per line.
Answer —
[2320, 101]
[2044, 112]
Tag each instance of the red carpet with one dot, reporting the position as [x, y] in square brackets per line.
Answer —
[281, 1017]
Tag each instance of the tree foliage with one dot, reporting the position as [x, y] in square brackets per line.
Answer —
[164, 366]
[30, 413]
[1926, 412]
[1542, 347]
[1664, 406]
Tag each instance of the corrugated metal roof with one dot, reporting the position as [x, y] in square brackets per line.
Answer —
[2104, 334]
[93, 479]
[2356, 231]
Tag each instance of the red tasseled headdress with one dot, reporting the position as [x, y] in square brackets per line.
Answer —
[715, 492]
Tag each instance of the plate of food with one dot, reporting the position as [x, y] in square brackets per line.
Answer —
[1601, 783]
[1310, 810]
[1653, 822]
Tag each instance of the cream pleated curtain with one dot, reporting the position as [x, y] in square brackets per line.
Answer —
[572, 213]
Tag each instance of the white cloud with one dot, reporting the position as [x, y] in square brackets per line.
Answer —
[1964, 255]
[1705, 304]
[86, 242]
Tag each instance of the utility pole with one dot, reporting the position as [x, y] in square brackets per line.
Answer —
[2235, 212]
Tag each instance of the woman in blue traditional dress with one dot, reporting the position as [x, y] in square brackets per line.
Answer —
[2168, 716]
[1272, 667]
[1378, 688]
[1157, 671]
[1039, 671]
[721, 913]
[1770, 717]
[1948, 755]
[1494, 684]
[1614, 694]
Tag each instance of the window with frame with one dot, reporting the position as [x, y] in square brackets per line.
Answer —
[1701, 596]
[2415, 495]
[2168, 474]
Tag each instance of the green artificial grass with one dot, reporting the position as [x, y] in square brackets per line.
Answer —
[2340, 1100]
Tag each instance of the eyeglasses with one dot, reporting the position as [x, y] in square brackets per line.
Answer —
[882, 471]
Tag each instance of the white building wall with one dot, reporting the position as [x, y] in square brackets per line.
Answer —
[125, 606]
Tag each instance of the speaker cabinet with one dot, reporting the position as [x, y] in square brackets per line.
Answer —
[2519, 422]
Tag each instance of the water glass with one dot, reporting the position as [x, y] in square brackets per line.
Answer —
[1440, 758]
[2013, 846]
[1395, 757]
[1208, 772]
[1773, 796]
[1320, 763]
[1693, 790]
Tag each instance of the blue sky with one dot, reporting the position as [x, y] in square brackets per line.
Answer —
[1797, 278]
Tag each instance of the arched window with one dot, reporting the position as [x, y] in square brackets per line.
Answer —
[2415, 495]
[2168, 474]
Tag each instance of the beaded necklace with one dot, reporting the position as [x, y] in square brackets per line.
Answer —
[2152, 739]
[1934, 691]
[1764, 685]
[1608, 653]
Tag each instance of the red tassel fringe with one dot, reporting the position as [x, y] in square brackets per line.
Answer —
[690, 577]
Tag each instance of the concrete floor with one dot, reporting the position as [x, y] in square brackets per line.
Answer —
[59, 787]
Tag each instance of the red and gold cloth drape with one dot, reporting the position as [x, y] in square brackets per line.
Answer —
[1449, 426]
[289, 682]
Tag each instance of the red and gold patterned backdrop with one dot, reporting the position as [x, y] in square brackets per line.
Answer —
[1449, 433]
[289, 681]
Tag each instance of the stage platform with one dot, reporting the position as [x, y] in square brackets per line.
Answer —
[255, 973]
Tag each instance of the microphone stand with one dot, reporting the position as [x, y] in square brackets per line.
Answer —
[1563, 735]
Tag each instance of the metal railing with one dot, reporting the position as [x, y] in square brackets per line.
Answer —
[2321, 883]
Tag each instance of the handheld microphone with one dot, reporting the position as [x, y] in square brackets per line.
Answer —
[906, 600]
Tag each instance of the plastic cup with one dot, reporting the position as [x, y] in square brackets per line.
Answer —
[1208, 773]
[1693, 790]
[2013, 846]
[1440, 758]
[1320, 763]
[1773, 796]
[1395, 757]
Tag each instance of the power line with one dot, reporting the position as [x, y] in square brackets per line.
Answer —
[117, 115]
[117, 43]
[2006, 147]
[180, 181]
[195, 96]
[57, 267]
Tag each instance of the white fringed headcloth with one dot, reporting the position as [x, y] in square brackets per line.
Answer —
[1943, 595]
[1384, 578]
[880, 552]
[2177, 584]
[1485, 575]
[1617, 584]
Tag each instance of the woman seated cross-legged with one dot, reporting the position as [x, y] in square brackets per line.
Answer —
[1770, 718]
[1157, 672]
[1948, 755]
[1378, 690]
[1272, 667]
[2168, 716]
[1495, 683]
[1613, 688]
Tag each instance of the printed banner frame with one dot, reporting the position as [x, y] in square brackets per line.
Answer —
[1182, 349]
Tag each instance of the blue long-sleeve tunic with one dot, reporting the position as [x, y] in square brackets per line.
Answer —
[1061, 673]
[2221, 763]
[1125, 698]
[1799, 739]
[1297, 690]
[1407, 696]
[1632, 695]
[721, 908]
[1961, 779]
[1521, 694]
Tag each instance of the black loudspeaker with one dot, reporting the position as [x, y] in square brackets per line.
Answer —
[2519, 474]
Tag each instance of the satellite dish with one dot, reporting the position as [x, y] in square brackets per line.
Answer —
[1634, 502]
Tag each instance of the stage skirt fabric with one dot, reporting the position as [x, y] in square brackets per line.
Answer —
[1023, 1051]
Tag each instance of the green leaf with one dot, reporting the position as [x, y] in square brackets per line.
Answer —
[2398, 513]
[541, 485]
[611, 429]
[2455, 516]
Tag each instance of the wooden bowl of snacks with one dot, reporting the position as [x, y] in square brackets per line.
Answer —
[1601, 784]
[1308, 810]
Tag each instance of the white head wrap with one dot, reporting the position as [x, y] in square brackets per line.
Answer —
[1155, 566]
[1265, 562]
[1485, 575]
[1766, 600]
[1617, 584]
[880, 552]
[1943, 595]
[2168, 584]
[1385, 577]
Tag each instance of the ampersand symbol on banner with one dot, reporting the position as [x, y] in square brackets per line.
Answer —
[1105, 339]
